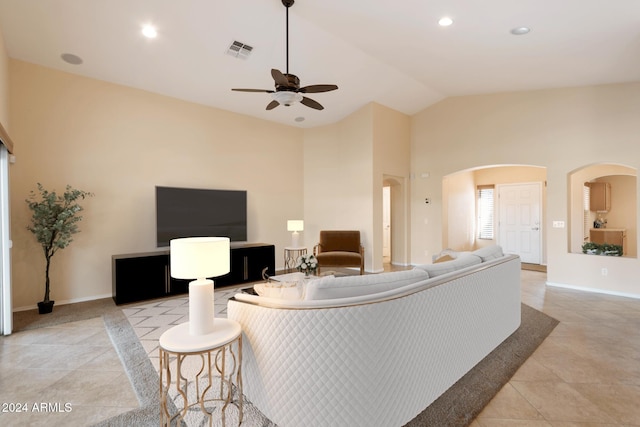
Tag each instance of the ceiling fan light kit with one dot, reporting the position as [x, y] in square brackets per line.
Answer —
[287, 98]
[287, 86]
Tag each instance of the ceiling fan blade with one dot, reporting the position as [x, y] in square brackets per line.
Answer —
[253, 90]
[272, 105]
[280, 78]
[317, 88]
[311, 103]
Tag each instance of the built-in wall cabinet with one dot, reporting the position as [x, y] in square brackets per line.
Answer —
[600, 196]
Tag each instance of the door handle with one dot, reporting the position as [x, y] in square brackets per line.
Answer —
[535, 228]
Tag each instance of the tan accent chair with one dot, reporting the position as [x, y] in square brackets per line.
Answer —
[339, 248]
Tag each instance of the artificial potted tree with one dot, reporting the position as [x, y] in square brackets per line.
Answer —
[54, 221]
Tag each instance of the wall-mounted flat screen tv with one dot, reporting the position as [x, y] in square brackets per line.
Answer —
[192, 212]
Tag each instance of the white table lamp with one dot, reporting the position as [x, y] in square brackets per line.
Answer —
[199, 258]
[295, 225]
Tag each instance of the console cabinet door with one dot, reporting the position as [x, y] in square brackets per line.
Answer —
[140, 278]
[259, 258]
[247, 264]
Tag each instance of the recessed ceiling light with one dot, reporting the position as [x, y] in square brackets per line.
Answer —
[299, 119]
[445, 21]
[149, 31]
[70, 58]
[519, 31]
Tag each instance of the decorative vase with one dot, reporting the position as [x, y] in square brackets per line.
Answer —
[45, 307]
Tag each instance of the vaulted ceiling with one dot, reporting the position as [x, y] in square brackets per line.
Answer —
[387, 51]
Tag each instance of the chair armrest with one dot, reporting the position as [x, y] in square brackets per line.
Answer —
[317, 249]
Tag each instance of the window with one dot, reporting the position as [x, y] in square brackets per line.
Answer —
[586, 218]
[485, 212]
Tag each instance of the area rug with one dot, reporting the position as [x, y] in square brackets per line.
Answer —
[458, 406]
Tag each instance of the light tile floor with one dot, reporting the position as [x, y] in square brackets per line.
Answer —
[72, 369]
[585, 374]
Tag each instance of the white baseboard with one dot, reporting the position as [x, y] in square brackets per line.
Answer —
[401, 264]
[63, 302]
[593, 290]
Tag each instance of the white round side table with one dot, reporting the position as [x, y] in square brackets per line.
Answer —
[216, 352]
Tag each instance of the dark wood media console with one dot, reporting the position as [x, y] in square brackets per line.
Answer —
[142, 276]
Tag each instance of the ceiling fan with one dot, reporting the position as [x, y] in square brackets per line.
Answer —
[288, 90]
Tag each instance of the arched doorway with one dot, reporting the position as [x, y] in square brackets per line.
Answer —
[513, 217]
[395, 244]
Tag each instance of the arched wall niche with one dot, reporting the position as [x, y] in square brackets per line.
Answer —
[623, 211]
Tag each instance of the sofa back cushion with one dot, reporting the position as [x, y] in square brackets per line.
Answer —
[489, 253]
[353, 286]
[438, 269]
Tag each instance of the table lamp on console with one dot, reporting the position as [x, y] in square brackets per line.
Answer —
[200, 258]
[295, 225]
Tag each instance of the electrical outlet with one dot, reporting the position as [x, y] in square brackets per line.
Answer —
[604, 271]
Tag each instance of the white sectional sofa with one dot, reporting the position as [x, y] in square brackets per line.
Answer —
[375, 350]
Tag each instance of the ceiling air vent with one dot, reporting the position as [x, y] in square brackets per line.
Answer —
[239, 50]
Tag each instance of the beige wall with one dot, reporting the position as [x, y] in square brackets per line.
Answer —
[338, 188]
[391, 165]
[562, 130]
[119, 143]
[4, 84]
[458, 211]
[345, 167]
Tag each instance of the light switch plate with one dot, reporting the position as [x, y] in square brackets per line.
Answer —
[558, 224]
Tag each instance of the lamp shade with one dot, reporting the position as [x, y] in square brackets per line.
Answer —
[295, 225]
[199, 257]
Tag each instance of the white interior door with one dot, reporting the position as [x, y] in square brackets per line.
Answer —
[520, 230]
[386, 223]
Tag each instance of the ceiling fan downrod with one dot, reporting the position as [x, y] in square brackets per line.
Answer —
[287, 4]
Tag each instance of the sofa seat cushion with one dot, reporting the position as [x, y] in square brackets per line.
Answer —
[337, 258]
[353, 286]
[438, 269]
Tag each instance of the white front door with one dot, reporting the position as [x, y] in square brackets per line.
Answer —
[520, 229]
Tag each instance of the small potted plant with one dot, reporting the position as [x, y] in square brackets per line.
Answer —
[54, 221]
[611, 250]
[591, 248]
